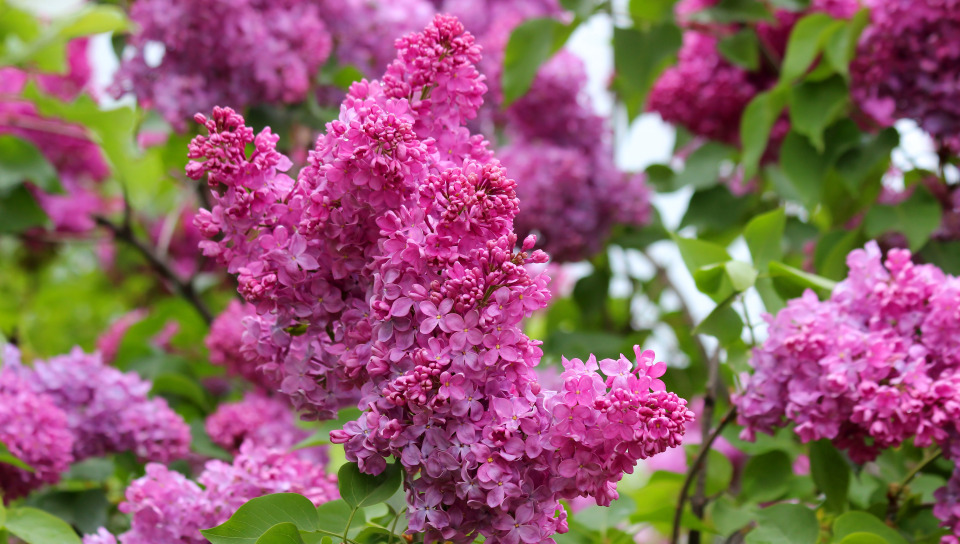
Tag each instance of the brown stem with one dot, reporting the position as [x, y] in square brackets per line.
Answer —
[186, 289]
[695, 470]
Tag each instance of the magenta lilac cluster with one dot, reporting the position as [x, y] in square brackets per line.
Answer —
[258, 419]
[907, 66]
[707, 94]
[69, 148]
[108, 411]
[875, 365]
[34, 429]
[389, 272]
[166, 506]
[571, 192]
[225, 342]
[187, 56]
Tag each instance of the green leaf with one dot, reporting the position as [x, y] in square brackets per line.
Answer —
[281, 533]
[701, 170]
[650, 11]
[697, 254]
[258, 515]
[742, 49]
[35, 526]
[95, 19]
[19, 211]
[862, 522]
[728, 517]
[723, 323]
[359, 489]
[531, 44]
[764, 237]
[831, 473]
[332, 516]
[842, 45]
[861, 162]
[755, 126]
[723, 279]
[173, 383]
[733, 11]
[21, 161]
[791, 282]
[719, 472]
[815, 104]
[806, 40]
[8, 458]
[863, 538]
[639, 56]
[785, 524]
[804, 168]
[766, 477]
[916, 218]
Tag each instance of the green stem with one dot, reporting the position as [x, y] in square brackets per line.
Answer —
[393, 526]
[896, 490]
[349, 521]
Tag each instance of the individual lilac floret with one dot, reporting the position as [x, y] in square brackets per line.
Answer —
[907, 66]
[108, 411]
[165, 506]
[239, 52]
[35, 431]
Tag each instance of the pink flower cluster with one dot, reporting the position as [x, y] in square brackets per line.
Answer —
[389, 271]
[947, 508]
[907, 66]
[76, 158]
[165, 506]
[572, 194]
[107, 411]
[243, 52]
[261, 421]
[707, 94]
[225, 342]
[872, 367]
[34, 429]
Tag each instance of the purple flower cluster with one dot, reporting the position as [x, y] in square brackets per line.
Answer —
[947, 508]
[707, 94]
[258, 419]
[572, 194]
[243, 52]
[34, 430]
[225, 342]
[570, 211]
[876, 364]
[165, 506]
[907, 66]
[68, 147]
[389, 271]
[870, 368]
[107, 410]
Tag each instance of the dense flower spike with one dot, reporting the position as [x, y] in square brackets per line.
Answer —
[165, 506]
[390, 271]
[108, 411]
[907, 65]
[75, 156]
[35, 431]
[222, 51]
[707, 94]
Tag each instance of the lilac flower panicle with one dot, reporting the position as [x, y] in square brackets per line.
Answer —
[225, 342]
[166, 506]
[907, 65]
[35, 431]
[108, 411]
[389, 276]
[873, 366]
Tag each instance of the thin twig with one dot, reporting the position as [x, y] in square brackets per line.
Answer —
[698, 501]
[186, 289]
[695, 469]
[896, 490]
